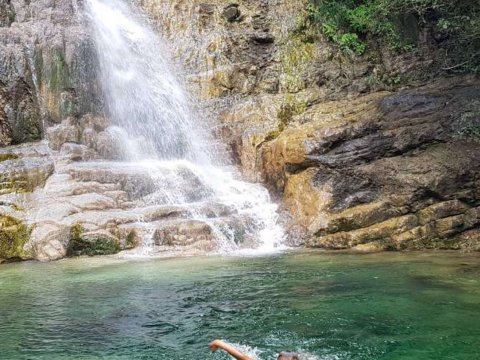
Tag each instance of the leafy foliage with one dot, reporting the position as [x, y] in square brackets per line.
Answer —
[455, 24]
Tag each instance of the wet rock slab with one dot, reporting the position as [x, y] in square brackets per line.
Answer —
[24, 167]
[98, 208]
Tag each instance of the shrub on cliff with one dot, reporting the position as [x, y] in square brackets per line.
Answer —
[453, 25]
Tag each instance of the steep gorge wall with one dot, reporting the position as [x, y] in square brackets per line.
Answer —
[371, 152]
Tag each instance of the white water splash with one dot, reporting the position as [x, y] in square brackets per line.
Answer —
[142, 94]
[152, 117]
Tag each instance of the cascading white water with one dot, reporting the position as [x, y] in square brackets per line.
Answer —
[151, 115]
[142, 95]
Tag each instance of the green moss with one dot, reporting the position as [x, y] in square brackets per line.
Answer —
[76, 232]
[11, 184]
[131, 240]
[38, 58]
[13, 236]
[5, 157]
[290, 107]
[296, 58]
[272, 135]
[80, 244]
[433, 242]
[58, 72]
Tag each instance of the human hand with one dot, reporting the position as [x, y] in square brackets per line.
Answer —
[215, 345]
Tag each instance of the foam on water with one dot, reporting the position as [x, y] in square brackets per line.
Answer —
[152, 117]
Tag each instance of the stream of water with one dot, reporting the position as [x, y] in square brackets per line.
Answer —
[152, 119]
[325, 306]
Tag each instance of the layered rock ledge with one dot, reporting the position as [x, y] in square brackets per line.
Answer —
[388, 171]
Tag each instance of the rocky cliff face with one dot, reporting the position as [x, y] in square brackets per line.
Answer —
[371, 152]
[47, 74]
[390, 170]
[48, 67]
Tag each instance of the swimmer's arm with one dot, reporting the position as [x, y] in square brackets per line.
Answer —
[219, 344]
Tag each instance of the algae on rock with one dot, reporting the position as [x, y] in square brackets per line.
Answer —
[82, 243]
[13, 236]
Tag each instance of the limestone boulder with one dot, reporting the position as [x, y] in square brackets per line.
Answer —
[49, 241]
[185, 233]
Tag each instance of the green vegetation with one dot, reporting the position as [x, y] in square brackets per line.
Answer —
[295, 58]
[11, 184]
[291, 106]
[5, 157]
[80, 244]
[13, 236]
[131, 240]
[58, 71]
[453, 24]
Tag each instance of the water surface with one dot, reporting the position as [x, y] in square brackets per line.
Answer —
[331, 306]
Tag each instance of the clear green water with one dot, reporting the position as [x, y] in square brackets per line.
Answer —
[333, 306]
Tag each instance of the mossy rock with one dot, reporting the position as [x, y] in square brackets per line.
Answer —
[296, 60]
[13, 236]
[132, 240]
[91, 244]
[437, 243]
[290, 107]
[5, 157]
[14, 184]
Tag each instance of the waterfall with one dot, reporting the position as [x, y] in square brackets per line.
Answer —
[142, 94]
[151, 115]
